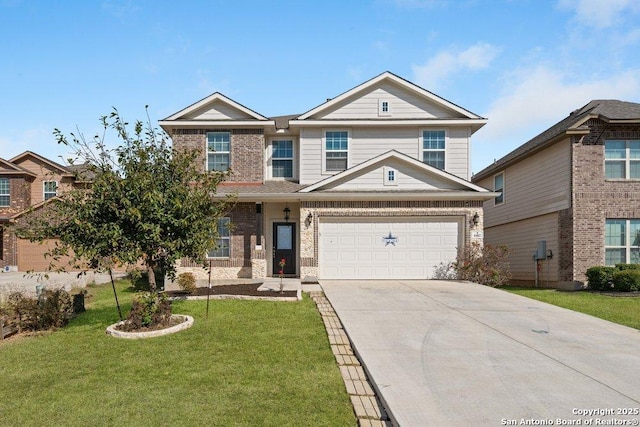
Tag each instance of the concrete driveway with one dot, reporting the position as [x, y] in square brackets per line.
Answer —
[454, 353]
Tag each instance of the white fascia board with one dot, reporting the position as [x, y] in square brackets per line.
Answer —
[402, 157]
[382, 122]
[397, 80]
[181, 124]
[210, 99]
[363, 196]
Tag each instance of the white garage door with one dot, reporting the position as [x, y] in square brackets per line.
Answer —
[386, 248]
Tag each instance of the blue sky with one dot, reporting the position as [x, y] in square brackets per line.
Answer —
[523, 64]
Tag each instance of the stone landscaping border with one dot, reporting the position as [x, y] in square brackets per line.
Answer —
[187, 322]
[298, 297]
[366, 404]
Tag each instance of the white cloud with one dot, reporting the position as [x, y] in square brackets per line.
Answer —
[537, 99]
[434, 73]
[600, 14]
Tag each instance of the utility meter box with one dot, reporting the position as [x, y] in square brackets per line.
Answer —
[541, 250]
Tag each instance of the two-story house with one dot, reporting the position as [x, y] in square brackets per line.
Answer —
[372, 184]
[27, 181]
[575, 187]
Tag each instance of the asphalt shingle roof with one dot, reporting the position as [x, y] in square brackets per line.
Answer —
[604, 109]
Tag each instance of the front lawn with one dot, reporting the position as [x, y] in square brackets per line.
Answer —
[624, 310]
[250, 363]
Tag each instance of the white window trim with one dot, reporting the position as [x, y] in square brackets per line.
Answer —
[381, 112]
[627, 161]
[8, 193]
[421, 150]
[270, 159]
[324, 150]
[386, 181]
[206, 149]
[227, 238]
[502, 190]
[44, 192]
[628, 238]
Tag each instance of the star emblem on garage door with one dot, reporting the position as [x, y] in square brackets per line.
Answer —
[390, 240]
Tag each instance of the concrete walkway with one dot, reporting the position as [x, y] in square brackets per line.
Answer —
[453, 353]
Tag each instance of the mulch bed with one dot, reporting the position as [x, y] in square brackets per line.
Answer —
[249, 289]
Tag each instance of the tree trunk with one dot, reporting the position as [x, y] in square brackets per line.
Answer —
[152, 278]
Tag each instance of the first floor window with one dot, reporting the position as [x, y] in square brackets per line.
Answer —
[336, 150]
[50, 189]
[218, 151]
[282, 159]
[222, 249]
[498, 187]
[622, 159]
[622, 241]
[433, 148]
[5, 194]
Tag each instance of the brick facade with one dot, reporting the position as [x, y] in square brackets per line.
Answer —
[596, 199]
[247, 151]
[242, 247]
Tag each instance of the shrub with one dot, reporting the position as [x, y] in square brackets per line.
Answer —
[622, 266]
[187, 282]
[444, 271]
[600, 278]
[626, 280]
[53, 309]
[149, 309]
[486, 265]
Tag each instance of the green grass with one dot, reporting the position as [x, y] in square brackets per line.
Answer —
[249, 363]
[622, 310]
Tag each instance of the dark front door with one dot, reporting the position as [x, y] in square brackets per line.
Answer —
[284, 247]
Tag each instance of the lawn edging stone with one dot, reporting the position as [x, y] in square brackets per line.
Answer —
[187, 322]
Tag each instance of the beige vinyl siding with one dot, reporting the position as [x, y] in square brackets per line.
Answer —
[537, 185]
[311, 156]
[402, 105]
[522, 238]
[218, 111]
[44, 173]
[407, 178]
[457, 155]
[366, 143]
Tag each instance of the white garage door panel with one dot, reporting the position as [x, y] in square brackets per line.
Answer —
[360, 248]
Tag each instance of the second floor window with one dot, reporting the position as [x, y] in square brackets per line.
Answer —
[498, 187]
[223, 244]
[336, 150]
[218, 151]
[282, 159]
[5, 193]
[433, 148]
[622, 159]
[50, 189]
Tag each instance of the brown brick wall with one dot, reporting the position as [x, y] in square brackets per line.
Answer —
[20, 192]
[247, 151]
[594, 198]
[243, 238]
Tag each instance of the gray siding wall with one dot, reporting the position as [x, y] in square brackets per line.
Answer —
[402, 105]
[521, 238]
[369, 142]
[538, 185]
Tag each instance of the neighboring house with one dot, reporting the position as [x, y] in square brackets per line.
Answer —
[27, 181]
[576, 186]
[372, 184]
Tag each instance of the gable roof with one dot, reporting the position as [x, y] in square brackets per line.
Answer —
[8, 168]
[609, 110]
[388, 76]
[185, 117]
[54, 165]
[402, 158]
